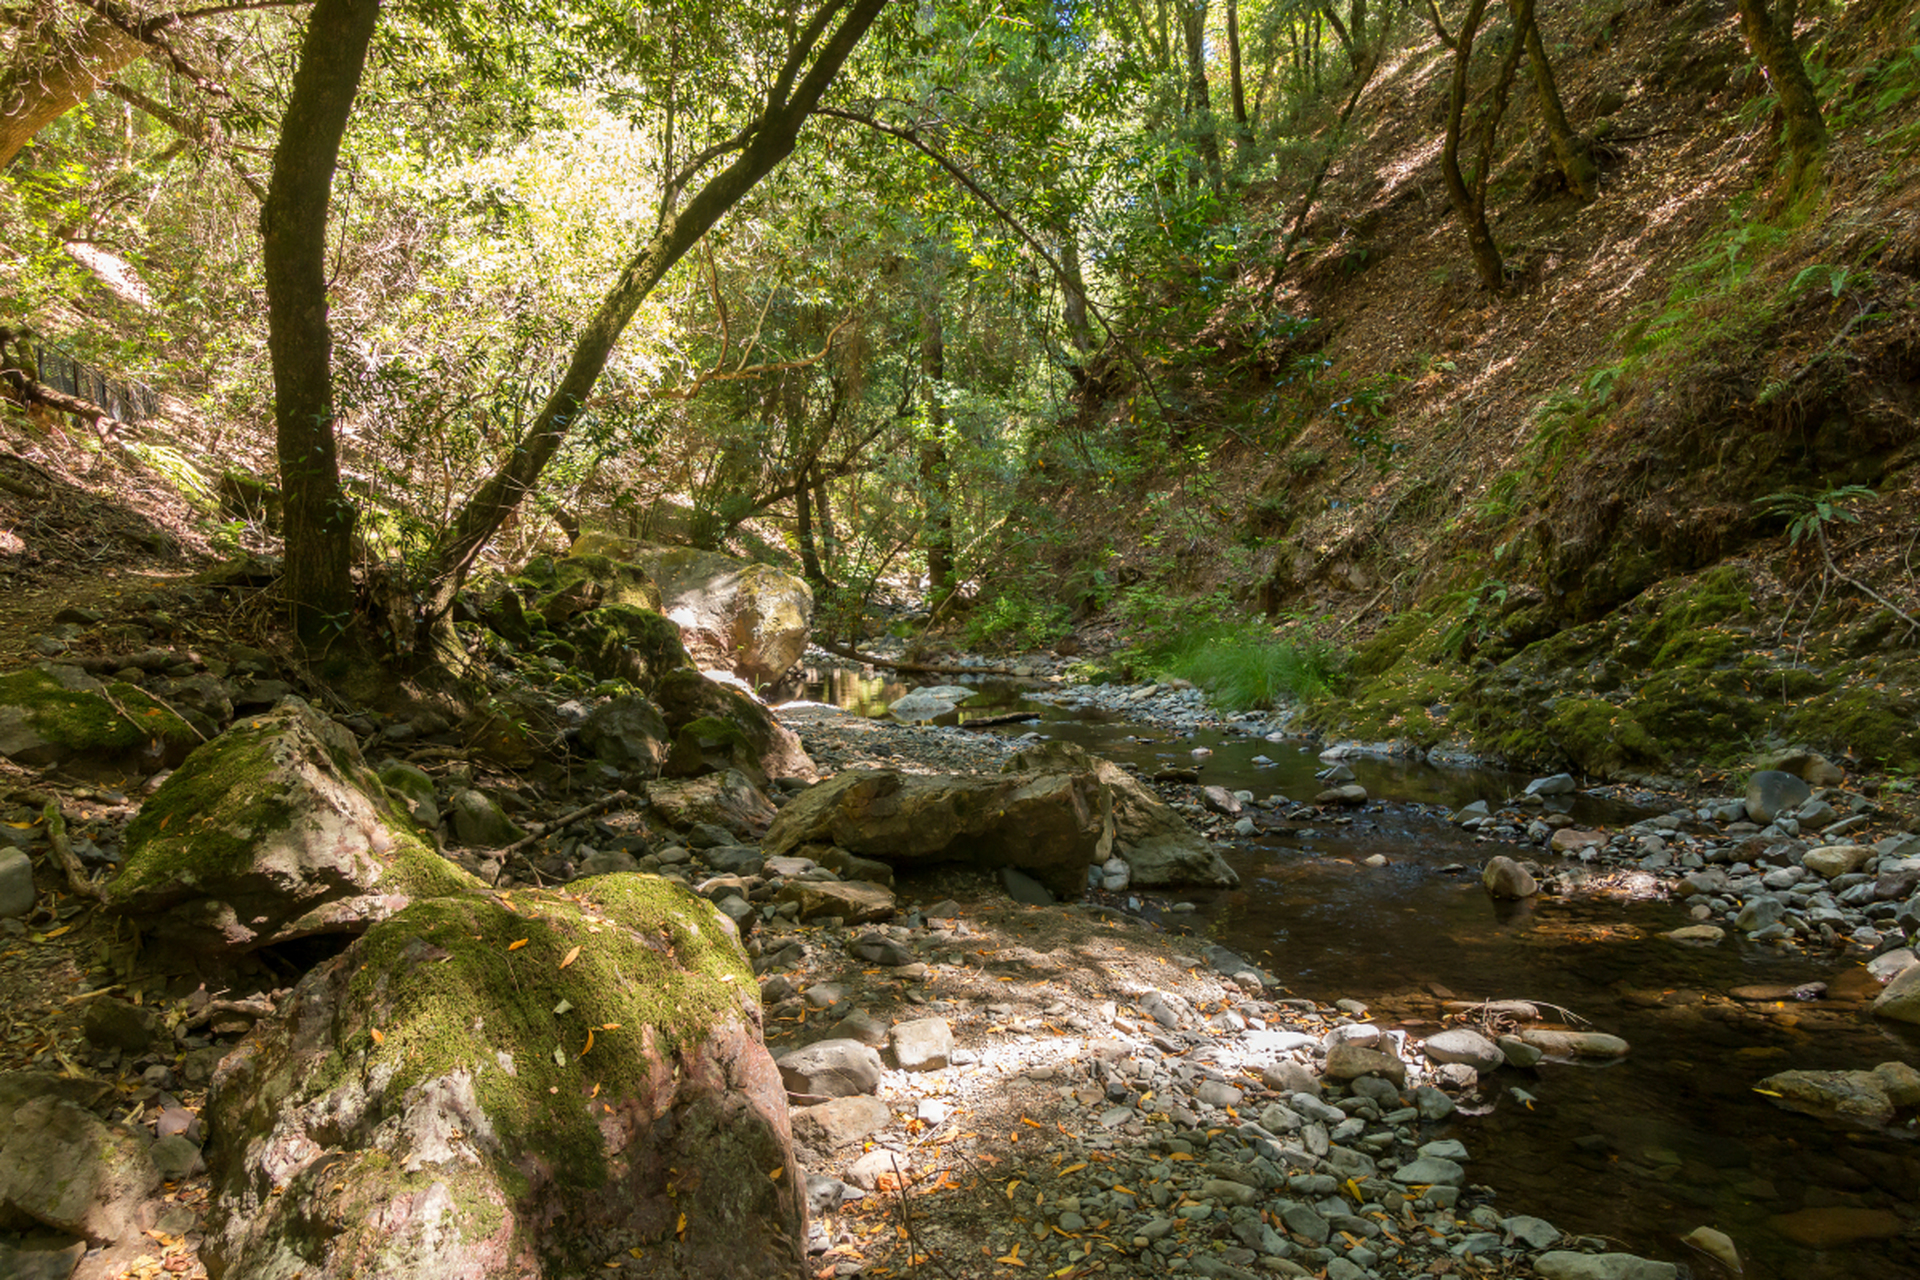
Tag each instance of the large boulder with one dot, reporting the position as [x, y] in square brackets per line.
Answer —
[716, 727]
[275, 830]
[625, 642]
[60, 715]
[628, 733]
[64, 1168]
[585, 581]
[482, 1092]
[751, 619]
[1157, 844]
[1050, 825]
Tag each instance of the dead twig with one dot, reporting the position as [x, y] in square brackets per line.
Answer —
[539, 831]
[77, 878]
[914, 1249]
[901, 664]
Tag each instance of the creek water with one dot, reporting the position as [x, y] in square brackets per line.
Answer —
[1641, 1150]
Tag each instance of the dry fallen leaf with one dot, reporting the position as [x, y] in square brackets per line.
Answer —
[515, 946]
[589, 1045]
[569, 958]
[379, 1036]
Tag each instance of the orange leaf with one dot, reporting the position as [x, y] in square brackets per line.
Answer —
[515, 946]
[379, 1036]
[570, 957]
[589, 1045]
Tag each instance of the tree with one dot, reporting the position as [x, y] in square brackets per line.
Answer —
[1805, 131]
[1467, 191]
[293, 224]
[1570, 153]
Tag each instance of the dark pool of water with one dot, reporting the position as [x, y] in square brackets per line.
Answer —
[1641, 1151]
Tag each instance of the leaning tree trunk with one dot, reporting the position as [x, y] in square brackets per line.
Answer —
[293, 225]
[54, 71]
[1570, 153]
[771, 141]
[1806, 131]
[1193, 22]
[936, 478]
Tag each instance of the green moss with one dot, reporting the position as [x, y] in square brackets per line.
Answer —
[1390, 644]
[86, 722]
[1873, 715]
[653, 961]
[1600, 737]
[204, 821]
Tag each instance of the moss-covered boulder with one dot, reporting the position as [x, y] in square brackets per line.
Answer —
[275, 830]
[480, 1088]
[586, 581]
[60, 715]
[751, 619]
[623, 642]
[1050, 825]
[717, 728]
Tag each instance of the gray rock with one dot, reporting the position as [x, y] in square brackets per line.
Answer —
[1836, 859]
[1459, 1044]
[1899, 1001]
[478, 821]
[1478, 811]
[1347, 1061]
[1302, 1221]
[1217, 1093]
[30, 1259]
[924, 1044]
[921, 706]
[176, 1157]
[1519, 1053]
[62, 1167]
[1534, 1233]
[1505, 878]
[628, 733]
[841, 1121]
[1566, 1265]
[830, 1069]
[1772, 794]
[16, 884]
[1351, 795]
[1023, 888]
[1560, 784]
[878, 948]
[1758, 913]
[1430, 1170]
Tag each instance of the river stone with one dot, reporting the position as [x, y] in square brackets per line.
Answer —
[1430, 1171]
[275, 830]
[1857, 1096]
[924, 1044]
[1564, 1264]
[921, 706]
[716, 727]
[831, 1069]
[1717, 1245]
[852, 902]
[1573, 840]
[1535, 1233]
[1559, 784]
[840, 1121]
[1830, 1228]
[420, 1095]
[1809, 766]
[1575, 1044]
[1697, 934]
[1900, 999]
[1347, 1061]
[725, 800]
[1759, 913]
[1505, 878]
[1351, 795]
[1161, 849]
[16, 884]
[1836, 859]
[1459, 1044]
[1050, 825]
[1773, 793]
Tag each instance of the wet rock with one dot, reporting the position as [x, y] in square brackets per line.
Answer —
[1351, 795]
[1462, 1045]
[924, 1044]
[1900, 1000]
[1572, 840]
[1697, 934]
[1051, 826]
[1575, 1044]
[1346, 1061]
[725, 800]
[16, 884]
[1564, 1264]
[831, 1069]
[1560, 784]
[1833, 1227]
[1856, 1096]
[1505, 878]
[430, 1094]
[1471, 815]
[275, 830]
[1772, 793]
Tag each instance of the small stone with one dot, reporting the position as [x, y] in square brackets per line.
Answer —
[840, 1121]
[1772, 793]
[1505, 878]
[1573, 840]
[1716, 1245]
[16, 884]
[1429, 1170]
[1836, 859]
[1459, 1044]
[925, 1044]
[831, 1068]
[1564, 1264]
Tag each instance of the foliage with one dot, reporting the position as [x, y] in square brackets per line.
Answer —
[1809, 515]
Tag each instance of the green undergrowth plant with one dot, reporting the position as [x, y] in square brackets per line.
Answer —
[1241, 663]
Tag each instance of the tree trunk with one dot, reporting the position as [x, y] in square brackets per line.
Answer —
[293, 226]
[1469, 199]
[1242, 133]
[1074, 295]
[1193, 22]
[1570, 152]
[1773, 43]
[936, 479]
[772, 140]
[54, 71]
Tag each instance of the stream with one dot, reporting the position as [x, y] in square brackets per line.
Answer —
[1640, 1151]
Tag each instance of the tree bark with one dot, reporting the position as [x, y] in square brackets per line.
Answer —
[1193, 23]
[769, 141]
[1242, 132]
[56, 70]
[1074, 295]
[1570, 152]
[293, 226]
[936, 478]
[1805, 131]
[1469, 198]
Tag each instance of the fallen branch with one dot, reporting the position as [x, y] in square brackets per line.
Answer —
[917, 668]
[914, 1249]
[539, 831]
[255, 1007]
[77, 878]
